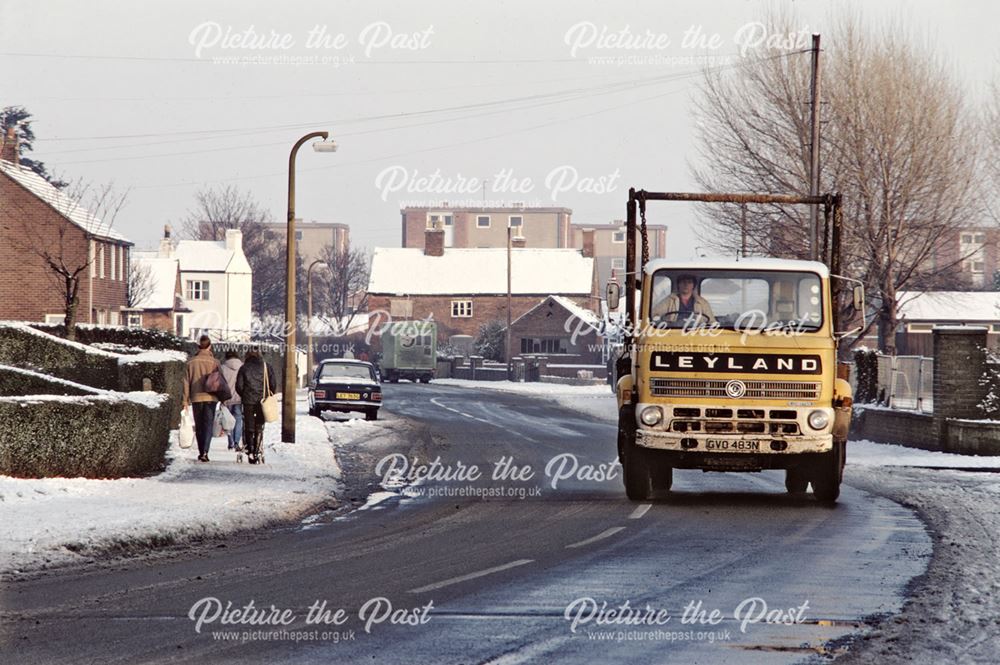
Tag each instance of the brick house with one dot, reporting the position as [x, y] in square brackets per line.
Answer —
[37, 218]
[542, 330]
[464, 288]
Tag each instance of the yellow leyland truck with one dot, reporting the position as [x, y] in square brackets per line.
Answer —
[731, 365]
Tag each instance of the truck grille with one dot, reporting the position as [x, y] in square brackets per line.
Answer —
[805, 390]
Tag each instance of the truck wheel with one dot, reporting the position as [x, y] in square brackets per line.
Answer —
[637, 474]
[425, 379]
[371, 414]
[626, 431]
[663, 476]
[829, 473]
[795, 481]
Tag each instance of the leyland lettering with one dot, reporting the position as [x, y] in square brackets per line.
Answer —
[751, 363]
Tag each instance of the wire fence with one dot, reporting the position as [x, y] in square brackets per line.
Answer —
[906, 383]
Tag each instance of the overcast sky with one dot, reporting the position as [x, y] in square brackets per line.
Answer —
[135, 93]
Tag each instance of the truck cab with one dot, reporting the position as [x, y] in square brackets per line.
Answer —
[732, 366]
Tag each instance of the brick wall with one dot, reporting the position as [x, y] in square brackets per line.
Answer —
[959, 362]
[28, 289]
[905, 428]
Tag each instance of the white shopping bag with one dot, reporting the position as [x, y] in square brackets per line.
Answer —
[227, 418]
[217, 423]
[185, 433]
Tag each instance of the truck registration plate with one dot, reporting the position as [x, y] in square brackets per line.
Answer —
[725, 444]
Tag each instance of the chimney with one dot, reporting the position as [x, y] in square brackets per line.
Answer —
[518, 242]
[166, 244]
[9, 147]
[588, 243]
[234, 240]
[434, 240]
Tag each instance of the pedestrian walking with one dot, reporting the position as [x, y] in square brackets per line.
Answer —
[203, 403]
[250, 387]
[230, 370]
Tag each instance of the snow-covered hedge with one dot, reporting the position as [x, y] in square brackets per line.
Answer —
[143, 338]
[95, 436]
[23, 346]
[17, 381]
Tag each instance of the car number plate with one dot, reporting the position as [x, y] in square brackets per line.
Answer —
[348, 395]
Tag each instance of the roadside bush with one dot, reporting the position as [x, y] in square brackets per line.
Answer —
[93, 437]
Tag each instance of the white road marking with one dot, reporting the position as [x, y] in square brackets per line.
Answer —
[601, 536]
[434, 401]
[640, 511]
[472, 576]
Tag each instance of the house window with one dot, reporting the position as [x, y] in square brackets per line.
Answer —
[544, 345]
[55, 318]
[100, 264]
[978, 267]
[483, 222]
[920, 327]
[618, 237]
[445, 220]
[618, 264]
[197, 289]
[114, 262]
[516, 221]
[133, 320]
[461, 309]
[92, 258]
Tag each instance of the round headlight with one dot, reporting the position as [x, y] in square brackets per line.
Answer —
[651, 415]
[818, 420]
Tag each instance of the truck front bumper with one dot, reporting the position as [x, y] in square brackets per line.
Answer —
[698, 442]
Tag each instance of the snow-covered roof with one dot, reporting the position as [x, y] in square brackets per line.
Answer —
[163, 276]
[583, 314]
[63, 204]
[968, 306]
[408, 271]
[741, 264]
[209, 256]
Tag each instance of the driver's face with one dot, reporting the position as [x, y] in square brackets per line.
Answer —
[686, 287]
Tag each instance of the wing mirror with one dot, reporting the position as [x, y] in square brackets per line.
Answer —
[613, 295]
[859, 298]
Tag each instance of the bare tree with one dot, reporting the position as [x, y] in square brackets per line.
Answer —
[67, 261]
[898, 144]
[141, 283]
[217, 210]
[343, 286]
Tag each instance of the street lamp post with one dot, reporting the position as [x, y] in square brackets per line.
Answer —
[309, 313]
[290, 382]
[510, 362]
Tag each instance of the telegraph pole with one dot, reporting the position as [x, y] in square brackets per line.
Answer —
[814, 152]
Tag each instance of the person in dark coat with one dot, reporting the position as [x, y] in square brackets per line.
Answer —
[250, 388]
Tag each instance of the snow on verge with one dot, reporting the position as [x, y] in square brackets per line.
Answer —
[54, 521]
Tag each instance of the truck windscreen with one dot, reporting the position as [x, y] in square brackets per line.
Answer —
[736, 299]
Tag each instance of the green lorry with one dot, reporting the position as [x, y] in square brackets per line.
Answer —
[409, 351]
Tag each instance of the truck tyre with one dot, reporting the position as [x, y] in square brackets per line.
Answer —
[796, 482]
[626, 430]
[829, 473]
[637, 474]
[663, 476]
[425, 379]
